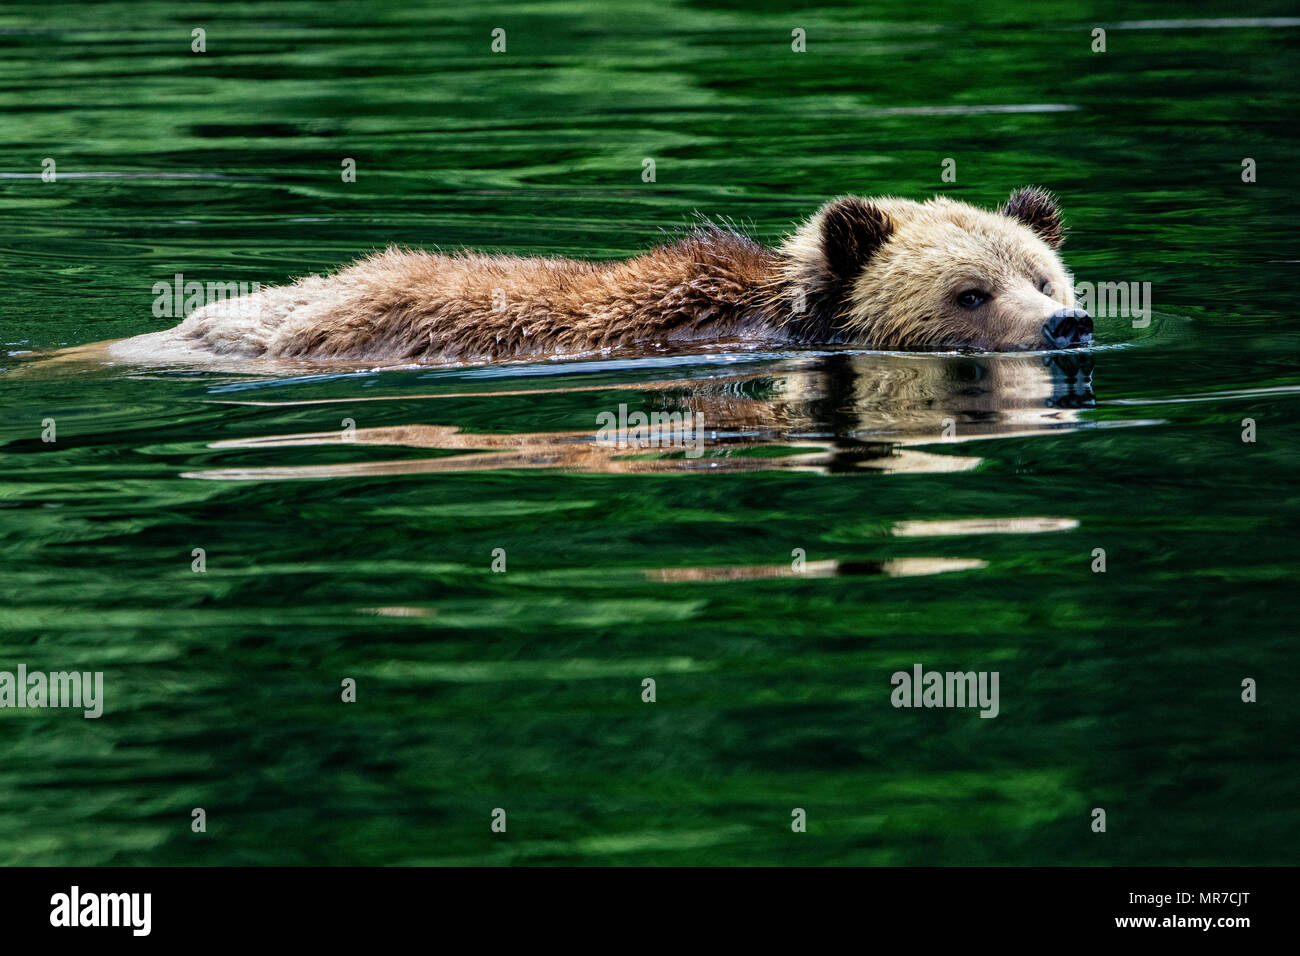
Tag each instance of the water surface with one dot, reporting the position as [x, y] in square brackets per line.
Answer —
[947, 508]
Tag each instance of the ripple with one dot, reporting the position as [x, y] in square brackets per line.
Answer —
[976, 110]
[960, 526]
[894, 568]
[1220, 23]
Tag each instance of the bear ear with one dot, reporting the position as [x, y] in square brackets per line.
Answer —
[1038, 210]
[852, 229]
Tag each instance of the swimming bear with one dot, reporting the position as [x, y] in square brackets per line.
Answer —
[882, 273]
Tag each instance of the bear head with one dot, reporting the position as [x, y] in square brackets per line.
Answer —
[895, 274]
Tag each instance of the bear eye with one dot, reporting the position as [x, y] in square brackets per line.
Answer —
[1045, 287]
[972, 298]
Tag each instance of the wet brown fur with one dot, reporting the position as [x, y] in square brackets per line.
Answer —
[707, 287]
[864, 272]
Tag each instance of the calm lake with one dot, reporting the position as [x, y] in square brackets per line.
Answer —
[229, 549]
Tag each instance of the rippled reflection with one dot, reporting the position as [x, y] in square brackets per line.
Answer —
[896, 568]
[824, 414]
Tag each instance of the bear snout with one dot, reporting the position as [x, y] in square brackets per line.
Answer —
[1068, 328]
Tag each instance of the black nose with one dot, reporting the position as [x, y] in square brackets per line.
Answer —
[1067, 328]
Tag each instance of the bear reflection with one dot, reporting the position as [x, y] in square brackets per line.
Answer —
[826, 413]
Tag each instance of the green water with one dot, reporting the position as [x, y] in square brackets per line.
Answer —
[372, 559]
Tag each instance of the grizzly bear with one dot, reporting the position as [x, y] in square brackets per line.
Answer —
[872, 273]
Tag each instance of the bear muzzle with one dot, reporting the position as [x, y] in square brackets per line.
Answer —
[1068, 329]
